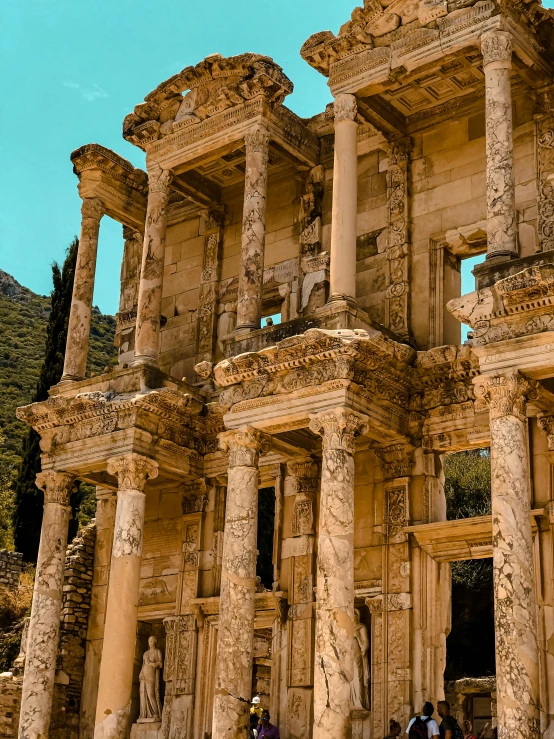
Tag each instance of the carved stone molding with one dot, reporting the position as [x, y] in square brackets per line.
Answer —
[396, 509]
[505, 395]
[345, 108]
[244, 446]
[338, 428]
[195, 496]
[57, 486]
[496, 46]
[546, 423]
[389, 602]
[92, 208]
[395, 461]
[132, 471]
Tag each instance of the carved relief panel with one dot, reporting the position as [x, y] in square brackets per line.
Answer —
[545, 162]
[209, 286]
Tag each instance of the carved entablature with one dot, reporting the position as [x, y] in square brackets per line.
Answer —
[518, 305]
[217, 96]
[373, 362]
[164, 422]
[105, 175]
[386, 39]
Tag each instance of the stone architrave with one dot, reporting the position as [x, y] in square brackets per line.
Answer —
[496, 47]
[333, 659]
[517, 653]
[44, 626]
[249, 300]
[235, 642]
[345, 189]
[78, 332]
[116, 669]
[152, 268]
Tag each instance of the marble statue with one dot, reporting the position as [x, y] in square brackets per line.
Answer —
[359, 687]
[149, 677]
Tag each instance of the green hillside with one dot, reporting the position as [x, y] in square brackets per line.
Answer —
[23, 317]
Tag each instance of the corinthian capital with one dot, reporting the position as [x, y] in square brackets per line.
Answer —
[132, 471]
[338, 428]
[244, 446]
[159, 180]
[496, 46]
[57, 486]
[505, 395]
[257, 140]
[92, 208]
[345, 107]
[546, 423]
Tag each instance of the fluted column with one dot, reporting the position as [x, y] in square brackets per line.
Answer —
[44, 626]
[118, 652]
[78, 332]
[235, 638]
[152, 268]
[517, 655]
[249, 300]
[496, 47]
[345, 196]
[334, 630]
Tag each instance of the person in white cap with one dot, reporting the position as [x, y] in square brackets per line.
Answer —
[256, 707]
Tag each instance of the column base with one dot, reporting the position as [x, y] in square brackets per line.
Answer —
[144, 359]
[66, 379]
[502, 256]
[335, 297]
[146, 730]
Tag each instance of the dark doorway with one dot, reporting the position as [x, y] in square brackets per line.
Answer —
[266, 526]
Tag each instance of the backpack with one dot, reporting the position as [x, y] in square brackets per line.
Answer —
[418, 730]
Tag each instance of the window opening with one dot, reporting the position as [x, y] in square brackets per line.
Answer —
[266, 527]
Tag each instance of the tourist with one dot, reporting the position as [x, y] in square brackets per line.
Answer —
[255, 708]
[424, 726]
[449, 728]
[265, 729]
[253, 732]
[467, 729]
[394, 729]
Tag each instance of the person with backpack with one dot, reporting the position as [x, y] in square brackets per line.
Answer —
[449, 728]
[424, 727]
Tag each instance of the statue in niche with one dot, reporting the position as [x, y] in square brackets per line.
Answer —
[150, 706]
[359, 687]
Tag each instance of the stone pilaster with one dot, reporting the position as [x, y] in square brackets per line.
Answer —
[209, 284]
[517, 655]
[44, 626]
[249, 301]
[496, 47]
[152, 269]
[116, 669]
[333, 659]
[126, 317]
[76, 348]
[398, 242]
[233, 673]
[345, 194]
[301, 483]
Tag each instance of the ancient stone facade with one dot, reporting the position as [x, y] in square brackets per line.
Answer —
[352, 226]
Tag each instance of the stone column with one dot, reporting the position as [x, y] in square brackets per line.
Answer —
[517, 654]
[152, 269]
[118, 652]
[76, 348]
[233, 672]
[44, 626]
[496, 47]
[345, 197]
[249, 300]
[334, 631]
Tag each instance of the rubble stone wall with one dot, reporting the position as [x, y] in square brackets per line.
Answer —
[10, 567]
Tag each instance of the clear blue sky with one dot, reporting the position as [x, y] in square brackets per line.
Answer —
[72, 70]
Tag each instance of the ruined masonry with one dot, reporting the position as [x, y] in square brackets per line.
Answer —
[351, 227]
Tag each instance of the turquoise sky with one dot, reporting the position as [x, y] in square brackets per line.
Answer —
[72, 70]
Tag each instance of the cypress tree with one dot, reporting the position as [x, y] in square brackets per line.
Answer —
[28, 498]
